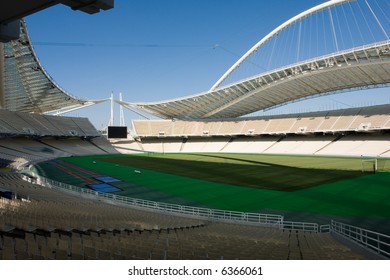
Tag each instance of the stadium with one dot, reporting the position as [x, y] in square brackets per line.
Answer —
[205, 179]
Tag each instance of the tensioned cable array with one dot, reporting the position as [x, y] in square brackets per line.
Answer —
[340, 26]
[337, 46]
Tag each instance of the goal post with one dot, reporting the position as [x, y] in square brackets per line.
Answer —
[369, 165]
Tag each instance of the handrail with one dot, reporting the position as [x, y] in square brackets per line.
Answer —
[325, 228]
[378, 242]
[270, 220]
[304, 226]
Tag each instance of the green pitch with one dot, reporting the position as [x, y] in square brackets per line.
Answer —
[244, 182]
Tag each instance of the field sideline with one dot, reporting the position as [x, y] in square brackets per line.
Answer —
[330, 186]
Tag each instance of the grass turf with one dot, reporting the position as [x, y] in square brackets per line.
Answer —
[245, 170]
[321, 185]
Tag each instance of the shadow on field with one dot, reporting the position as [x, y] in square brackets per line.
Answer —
[244, 173]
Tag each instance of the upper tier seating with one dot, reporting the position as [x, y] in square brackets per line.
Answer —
[17, 123]
[346, 120]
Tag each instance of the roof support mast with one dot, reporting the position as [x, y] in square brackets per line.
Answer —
[121, 115]
[111, 122]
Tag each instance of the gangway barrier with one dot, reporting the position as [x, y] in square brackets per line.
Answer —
[269, 220]
[375, 241]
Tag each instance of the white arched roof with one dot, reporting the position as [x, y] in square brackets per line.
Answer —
[274, 32]
[361, 67]
[353, 69]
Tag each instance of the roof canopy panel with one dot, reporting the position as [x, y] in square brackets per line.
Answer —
[358, 68]
[27, 86]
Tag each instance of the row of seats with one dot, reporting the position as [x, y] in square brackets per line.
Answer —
[28, 124]
[210, 242]
[18, 150]
[27, 137]
[332, 145]
[59, 225]
[53, 210]
[355, 119]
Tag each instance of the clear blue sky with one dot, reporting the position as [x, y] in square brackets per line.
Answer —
[152, 50]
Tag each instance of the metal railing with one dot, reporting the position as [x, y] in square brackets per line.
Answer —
[378, 242]
[304, 226]
[325, 228]
[270, 220]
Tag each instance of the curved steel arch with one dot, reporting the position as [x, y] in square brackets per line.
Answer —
[274, 32]
[358, 68]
